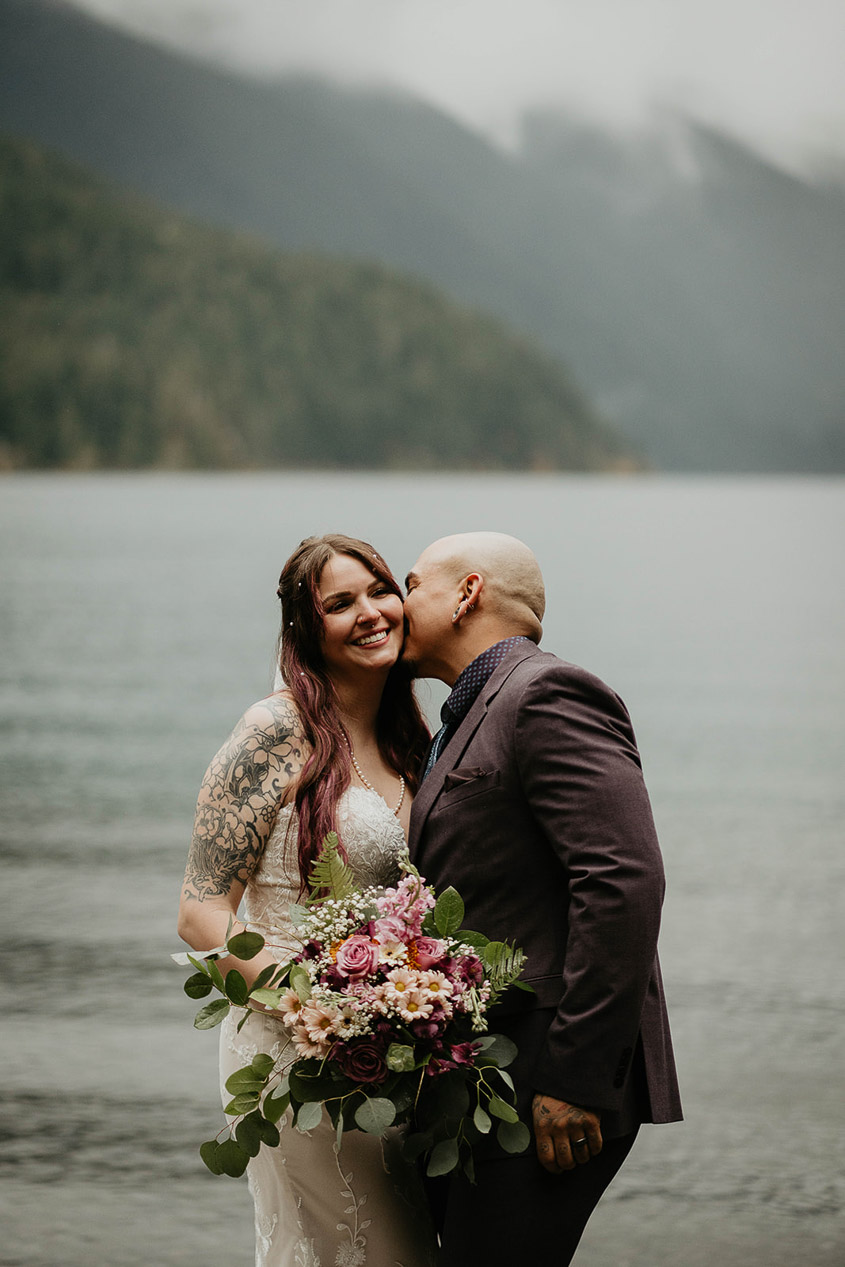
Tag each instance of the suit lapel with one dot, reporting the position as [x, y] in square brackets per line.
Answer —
[457, 745]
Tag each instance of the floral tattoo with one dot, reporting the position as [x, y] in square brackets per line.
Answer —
[240, 797]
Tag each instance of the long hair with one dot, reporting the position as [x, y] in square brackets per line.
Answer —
[400, 729]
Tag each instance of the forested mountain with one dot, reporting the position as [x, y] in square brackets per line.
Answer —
[694, 289]
[135, 337]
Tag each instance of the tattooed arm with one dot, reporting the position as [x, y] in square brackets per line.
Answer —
[250, 777]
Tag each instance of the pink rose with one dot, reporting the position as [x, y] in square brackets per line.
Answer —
[429, 951]
[357, 957]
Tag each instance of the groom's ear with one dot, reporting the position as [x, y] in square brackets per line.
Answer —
[471, 587]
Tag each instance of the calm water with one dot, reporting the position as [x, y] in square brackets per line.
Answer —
[137, 617]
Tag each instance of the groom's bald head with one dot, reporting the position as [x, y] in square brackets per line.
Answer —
[513, 583]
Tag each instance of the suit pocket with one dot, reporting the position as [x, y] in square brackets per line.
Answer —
[461, 784]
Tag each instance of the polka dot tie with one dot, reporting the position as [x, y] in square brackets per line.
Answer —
[464, 694]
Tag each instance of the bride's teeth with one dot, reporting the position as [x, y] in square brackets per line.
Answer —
[377, 637]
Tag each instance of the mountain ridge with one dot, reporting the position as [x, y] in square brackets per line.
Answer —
[132, 337]
[706, 328]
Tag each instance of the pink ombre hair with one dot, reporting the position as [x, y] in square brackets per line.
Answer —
[401, 731]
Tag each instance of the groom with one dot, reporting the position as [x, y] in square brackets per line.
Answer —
[534, 807]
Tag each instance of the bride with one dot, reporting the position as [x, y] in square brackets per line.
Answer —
[339, 748]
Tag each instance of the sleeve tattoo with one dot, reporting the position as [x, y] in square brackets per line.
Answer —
[240, 797]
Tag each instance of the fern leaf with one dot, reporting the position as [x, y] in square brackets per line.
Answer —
[504, 963]
[330, 876]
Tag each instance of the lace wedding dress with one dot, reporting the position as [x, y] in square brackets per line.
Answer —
[315, 1205]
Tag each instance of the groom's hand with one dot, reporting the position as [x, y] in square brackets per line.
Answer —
[566, 1135]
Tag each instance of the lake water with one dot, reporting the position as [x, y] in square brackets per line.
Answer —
[138, 616]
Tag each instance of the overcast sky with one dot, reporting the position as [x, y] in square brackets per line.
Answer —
[770, 71]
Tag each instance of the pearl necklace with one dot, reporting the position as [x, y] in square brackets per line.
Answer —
[369, 786]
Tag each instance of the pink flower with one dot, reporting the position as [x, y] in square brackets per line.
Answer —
[319, 1021]
[400, 981]
[436, 985]
[357, 957]
[389, 928]
[429, 951]
[303, 1044]
[464, 1053]
[290, 1005]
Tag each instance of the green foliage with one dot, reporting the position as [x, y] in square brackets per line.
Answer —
[447, 1112]
[245, 945]
[212, 1014]
[330, 876]
[133, 337]
[448, 912]
[375, 1115]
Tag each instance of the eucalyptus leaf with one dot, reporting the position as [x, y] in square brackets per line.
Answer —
[514, 1137]
[209, 1154]
[236, 987]
[197, 986]
[268, 998]
[482, 1120]
[306, 1090]
[275, 1107]
[268, 1131]
[263, 1064]
[300, 982]
[309, 1115]
[232, 1159]
[216, 976]
[264, 977]
[248, 1135]
[244, 1102]
[497, 1049]
[245, 945]
[212, 1014]
[196, 956]
[246, 1079]
[448, 912]
[502, 1110]
[443, 1159]
[375, 1115]
[506, 1078]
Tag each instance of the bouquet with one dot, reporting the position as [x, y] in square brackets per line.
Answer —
[386, 1009]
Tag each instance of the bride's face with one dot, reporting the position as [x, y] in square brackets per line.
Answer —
[362, 620]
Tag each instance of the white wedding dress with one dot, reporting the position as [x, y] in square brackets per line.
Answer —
[316, 1206]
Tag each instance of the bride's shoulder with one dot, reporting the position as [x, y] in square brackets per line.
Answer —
[276, 717]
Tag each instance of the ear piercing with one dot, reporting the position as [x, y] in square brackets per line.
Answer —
[456, 613]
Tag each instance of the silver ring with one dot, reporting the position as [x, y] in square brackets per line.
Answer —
[579, 1142]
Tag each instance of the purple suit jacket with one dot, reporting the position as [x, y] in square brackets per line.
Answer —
[538, 814]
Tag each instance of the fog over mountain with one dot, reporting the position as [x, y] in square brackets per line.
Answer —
[768, 72]
[696, 290]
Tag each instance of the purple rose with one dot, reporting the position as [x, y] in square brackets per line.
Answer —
[357, 957]
[362, 1060]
